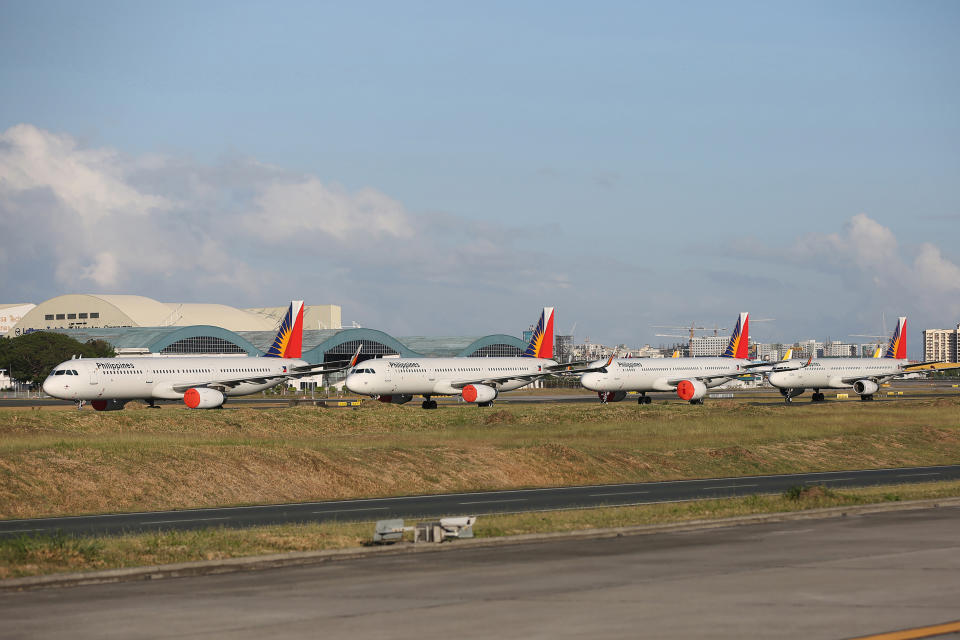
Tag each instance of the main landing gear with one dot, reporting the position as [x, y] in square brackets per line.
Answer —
[485, 404]
[817, 396]
[643, 399]
[428, 403]
[153, 404]
[697, 401]
[866, 398]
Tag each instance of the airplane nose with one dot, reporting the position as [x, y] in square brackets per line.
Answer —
[777, 379]
[590, 381]
[48, 386]
[351, 384]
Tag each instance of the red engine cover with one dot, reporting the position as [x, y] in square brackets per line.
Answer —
[191, 398]
[469, 393]
[685, 389]
[99, 405]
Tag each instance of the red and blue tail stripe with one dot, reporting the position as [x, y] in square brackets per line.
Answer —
[897, 347]
[739, 345]
[289, 340]
[541, 343]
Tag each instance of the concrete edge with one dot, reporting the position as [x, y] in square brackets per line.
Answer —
[303, 558]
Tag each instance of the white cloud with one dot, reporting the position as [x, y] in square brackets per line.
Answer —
[90, 183]
[868, 258]
[97, 220]
[288, 210]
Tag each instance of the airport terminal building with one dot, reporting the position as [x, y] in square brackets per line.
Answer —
[136, 325]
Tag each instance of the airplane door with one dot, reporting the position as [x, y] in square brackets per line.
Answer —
[94, 377]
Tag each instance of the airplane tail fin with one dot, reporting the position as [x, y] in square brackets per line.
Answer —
[877, 352]
[897, 347]
[541, 343]
[739, 345]
[676, 353]
[289, 340]
[788, 355]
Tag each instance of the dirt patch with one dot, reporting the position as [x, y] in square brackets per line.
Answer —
[740, 453]
[500, 417]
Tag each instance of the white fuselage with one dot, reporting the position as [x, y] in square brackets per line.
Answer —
[155, 378]
[836, 373]
[438, 376]
[660, 374]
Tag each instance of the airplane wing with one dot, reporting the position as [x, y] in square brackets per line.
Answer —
[559, 369]
[931, 365]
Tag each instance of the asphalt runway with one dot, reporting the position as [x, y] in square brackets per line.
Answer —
[834, 578]
[433, 506]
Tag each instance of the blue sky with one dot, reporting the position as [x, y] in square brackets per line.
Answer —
[445, 168]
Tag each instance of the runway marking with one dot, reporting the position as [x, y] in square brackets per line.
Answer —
[918, 632]
[20, 530]
[345, 510]
[184, 520]
[731, 486]
[622, 493]
[494, 501]
[916, 475]
[830, 480]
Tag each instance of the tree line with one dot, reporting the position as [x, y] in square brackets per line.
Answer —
[30, 358]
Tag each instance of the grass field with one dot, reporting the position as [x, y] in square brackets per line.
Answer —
[55, 462]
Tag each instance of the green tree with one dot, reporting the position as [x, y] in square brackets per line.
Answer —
[30, 358]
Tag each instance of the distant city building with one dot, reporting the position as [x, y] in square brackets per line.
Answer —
[808, 349]
[646, 351]
[563, 348]
[708, 345]
[770, 352]
[942, 344]
[834, 349]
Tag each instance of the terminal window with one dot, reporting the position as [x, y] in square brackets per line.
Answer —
[71, 316]
[49, 316]
[61, 316]
[95, 315]
[83, 316]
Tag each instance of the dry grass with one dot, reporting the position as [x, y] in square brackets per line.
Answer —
[57, 462]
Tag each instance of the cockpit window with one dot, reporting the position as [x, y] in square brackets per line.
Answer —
[73, 373]
[363, 371]
[60, 372]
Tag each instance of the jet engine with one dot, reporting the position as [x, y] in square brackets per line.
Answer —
[203, 398]
[691, 390]
[478, 393]
[865, 387]
[395, 399]
[108, 405]
[611, 396]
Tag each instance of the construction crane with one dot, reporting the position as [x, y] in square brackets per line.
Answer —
[692, 329]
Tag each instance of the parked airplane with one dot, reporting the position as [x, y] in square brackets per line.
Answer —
[690, 377]
[478, 380]
[864, 375]
[202, 382]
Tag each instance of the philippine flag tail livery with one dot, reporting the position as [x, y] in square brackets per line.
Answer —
[541, 343]
[739, 345]
[289, 340]
[897, 347]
